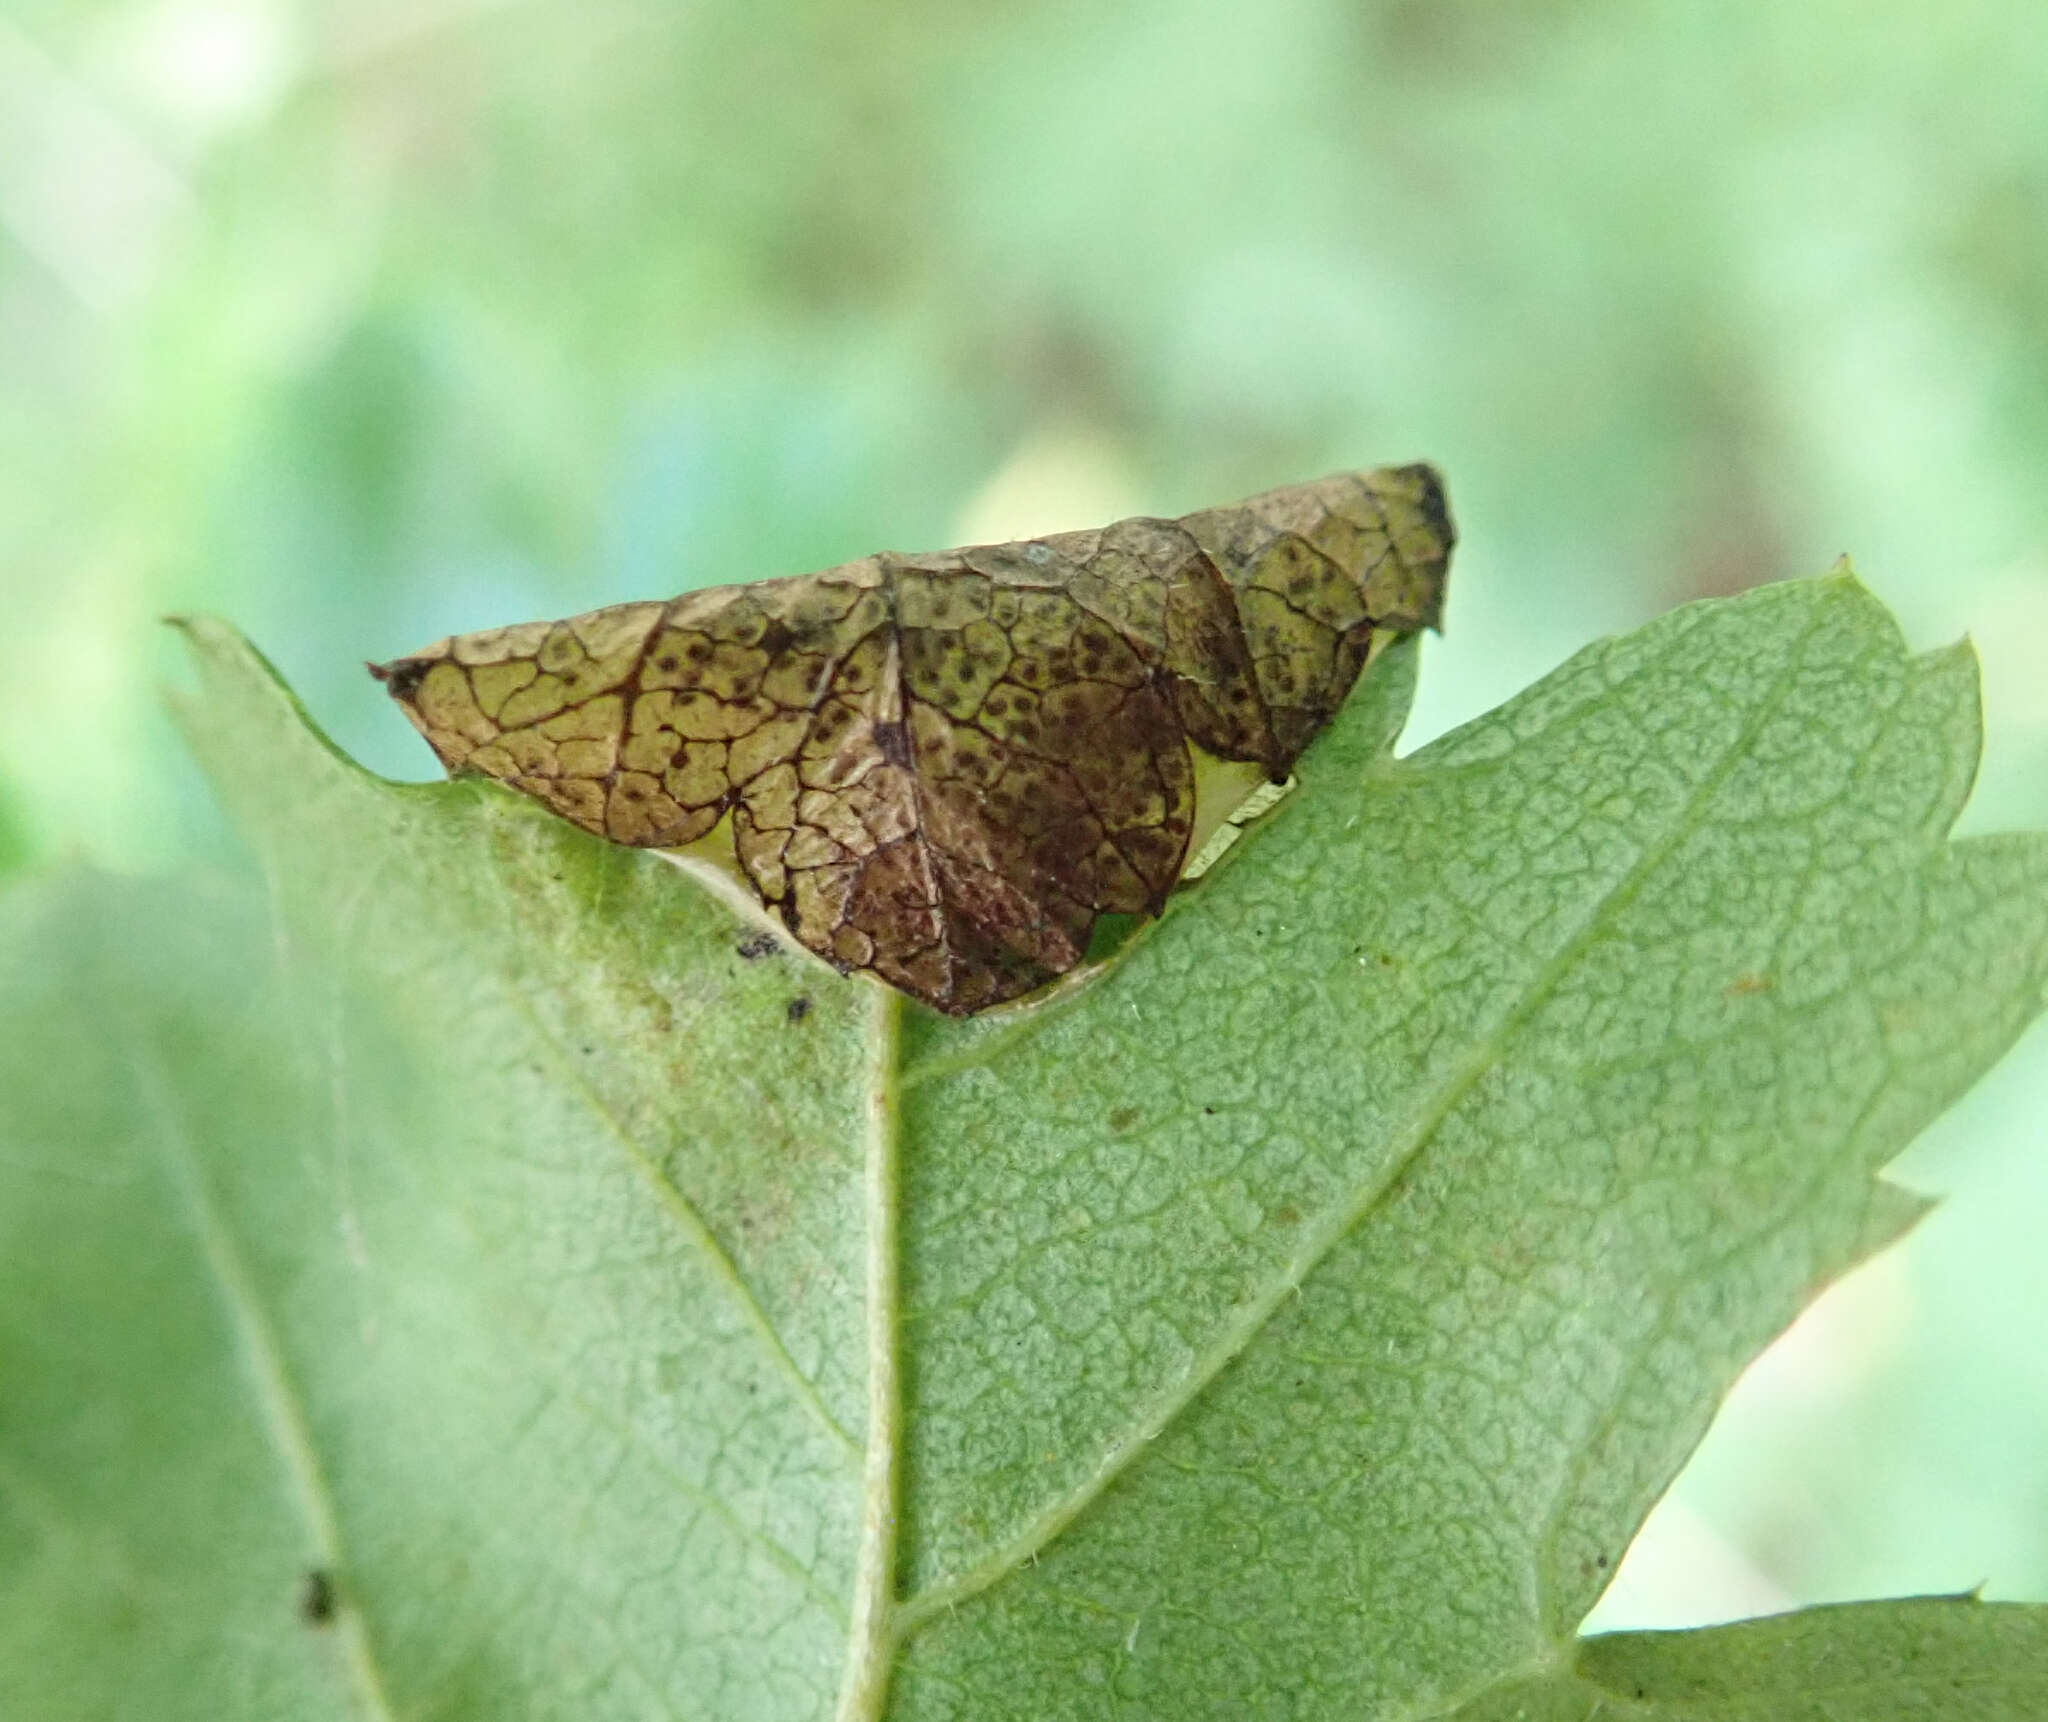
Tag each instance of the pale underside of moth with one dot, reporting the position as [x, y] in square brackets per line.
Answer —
[941, 769]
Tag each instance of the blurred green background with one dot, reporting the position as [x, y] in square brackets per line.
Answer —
[364, 322]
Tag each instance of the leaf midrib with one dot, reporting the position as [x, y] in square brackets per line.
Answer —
[870, 1640]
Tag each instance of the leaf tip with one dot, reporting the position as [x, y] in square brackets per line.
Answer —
[1842, 580]
[212, 639]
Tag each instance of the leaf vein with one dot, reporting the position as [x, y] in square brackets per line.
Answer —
[686, 1215]
[281, 1409]
[1429, 1118]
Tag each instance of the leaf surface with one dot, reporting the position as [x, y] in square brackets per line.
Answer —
[1299, 1316]
[1925, 1659]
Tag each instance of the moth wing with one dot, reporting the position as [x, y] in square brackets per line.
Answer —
[1053, 767]
[1154, 584]
[1317, 569]
[542, 706]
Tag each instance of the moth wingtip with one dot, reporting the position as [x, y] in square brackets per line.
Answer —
[1419, 514]
[1435, 505]
[402, 676]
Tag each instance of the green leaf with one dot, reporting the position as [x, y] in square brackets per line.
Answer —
[1298, 1317]
[1934, 1659]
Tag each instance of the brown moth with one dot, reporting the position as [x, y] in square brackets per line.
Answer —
[941, 769]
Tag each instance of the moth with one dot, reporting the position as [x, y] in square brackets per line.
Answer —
[941, 769]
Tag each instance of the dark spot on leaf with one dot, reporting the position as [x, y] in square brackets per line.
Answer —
[316, 1597]
[892, 742]
[799, 1008]
[755, 946]
[1123, 1118]
[1747, 986]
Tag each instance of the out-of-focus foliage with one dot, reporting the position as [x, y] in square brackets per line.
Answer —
[366, 321]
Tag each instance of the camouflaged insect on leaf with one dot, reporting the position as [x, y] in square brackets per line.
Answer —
[942, 768]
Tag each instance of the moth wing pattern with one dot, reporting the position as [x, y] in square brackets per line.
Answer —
[1054, 776]
[942, 769]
